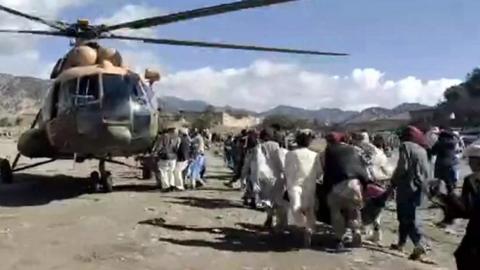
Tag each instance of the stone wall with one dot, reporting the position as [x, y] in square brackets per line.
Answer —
[239, 122]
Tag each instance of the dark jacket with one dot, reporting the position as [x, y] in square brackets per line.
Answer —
[468, 251]
[183, 152]
[342, 162]
[446, 150]
[167, 146]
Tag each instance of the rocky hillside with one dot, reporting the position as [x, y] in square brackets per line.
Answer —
[341, 116]
[174, 104]
[330, 115]
[376, 113]
[21, 94]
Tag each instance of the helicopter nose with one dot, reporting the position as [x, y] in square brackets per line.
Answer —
[120, 134]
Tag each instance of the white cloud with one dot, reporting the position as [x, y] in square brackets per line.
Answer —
[259, 86]
[26, 63]
[41, 7]
[46, 9]
[265, 84]
[19, 54]
[368, 78]
[16, 51]
[139, 60]
[132, 12]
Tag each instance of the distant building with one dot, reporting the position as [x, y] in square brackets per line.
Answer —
[223, 119]
[166, 120]
[244, 121]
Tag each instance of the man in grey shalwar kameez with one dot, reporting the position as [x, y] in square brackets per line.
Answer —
[412, 171]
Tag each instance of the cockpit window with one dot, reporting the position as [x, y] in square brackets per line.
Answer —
[121, 91]
[66, 94]
[70, 86]
[146, 90]
[117, 90]
[88, 90]
[149, 94]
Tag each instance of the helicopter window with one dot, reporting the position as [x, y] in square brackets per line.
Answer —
[66, 92]
[117, 90]
[53, 100]
[137, 90]
[148, 90]
[139, 93]
[149, 94]
[146, 93]
[88, 90]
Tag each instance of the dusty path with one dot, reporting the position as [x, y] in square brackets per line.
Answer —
[52, 223]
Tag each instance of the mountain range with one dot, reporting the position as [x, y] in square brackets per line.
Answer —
[25, 95]
[324, 115]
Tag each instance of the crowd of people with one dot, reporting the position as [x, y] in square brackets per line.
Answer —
[348, 184]
[178, 158]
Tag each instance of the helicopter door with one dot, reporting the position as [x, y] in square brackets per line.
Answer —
[61, 122]
[66, 94]
[87, 105]
[48, 111]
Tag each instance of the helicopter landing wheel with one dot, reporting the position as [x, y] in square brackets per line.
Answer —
[107, 182]
[6, 173]
[96, 181]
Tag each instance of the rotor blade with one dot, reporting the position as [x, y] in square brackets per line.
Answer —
[221, 45]
[35, 32]
[54, 24]
[196, 13]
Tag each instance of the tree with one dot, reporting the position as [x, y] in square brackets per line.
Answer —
[204, 121]
[462, 100]
[472, 83]
[452, 94]
[7, 122]
[209, 109]
[237, 113]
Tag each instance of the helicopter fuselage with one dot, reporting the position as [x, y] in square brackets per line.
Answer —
[94, 111]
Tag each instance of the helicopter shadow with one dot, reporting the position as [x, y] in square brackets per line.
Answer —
[35, 190]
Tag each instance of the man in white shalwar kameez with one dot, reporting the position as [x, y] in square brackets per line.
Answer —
[302, 170]
[270, 159]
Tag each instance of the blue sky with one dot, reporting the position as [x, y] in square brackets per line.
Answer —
[428, 39]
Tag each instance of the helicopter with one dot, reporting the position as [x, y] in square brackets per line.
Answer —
[97, 108]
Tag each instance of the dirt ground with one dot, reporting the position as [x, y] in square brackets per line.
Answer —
[50, 221]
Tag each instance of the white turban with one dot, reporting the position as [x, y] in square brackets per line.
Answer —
[305, 131]
[365, 137]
